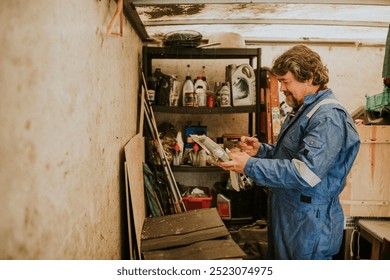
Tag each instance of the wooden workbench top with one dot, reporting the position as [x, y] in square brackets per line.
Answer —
[379, 229]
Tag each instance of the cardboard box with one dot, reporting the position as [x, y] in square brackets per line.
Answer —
[367, 190]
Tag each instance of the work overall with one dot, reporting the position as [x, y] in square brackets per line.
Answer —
[305, 171]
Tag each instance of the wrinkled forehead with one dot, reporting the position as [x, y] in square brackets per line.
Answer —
[287, 77]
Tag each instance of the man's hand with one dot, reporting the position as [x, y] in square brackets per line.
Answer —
[250, 145]
[237, 162]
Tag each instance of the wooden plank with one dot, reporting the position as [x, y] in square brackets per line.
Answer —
[181, 223]
[183, 239]
[367, 190]
[129, 214]
[134, 152]
[378, 229]
[204, 250]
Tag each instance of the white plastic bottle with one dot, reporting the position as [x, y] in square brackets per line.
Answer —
[202, 158]
[188, 90]
[224, 95]
[180, 142]
[200, 91]
[201, 96]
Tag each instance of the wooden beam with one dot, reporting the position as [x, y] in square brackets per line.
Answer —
[246, 21]
[132, 16]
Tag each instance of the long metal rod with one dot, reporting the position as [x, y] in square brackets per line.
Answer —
[163, 160]
[178, 202]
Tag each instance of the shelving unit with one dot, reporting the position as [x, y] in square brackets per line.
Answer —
[257, 114]
[254, 58]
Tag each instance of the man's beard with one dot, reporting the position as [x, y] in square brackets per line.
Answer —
[292, 102]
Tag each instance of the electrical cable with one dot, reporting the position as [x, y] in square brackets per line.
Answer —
[351, 244]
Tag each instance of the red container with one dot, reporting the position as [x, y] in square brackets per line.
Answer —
[192, 203]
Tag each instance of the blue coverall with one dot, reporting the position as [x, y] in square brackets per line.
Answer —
[305, 171]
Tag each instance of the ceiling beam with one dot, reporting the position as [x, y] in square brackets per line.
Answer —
[132, 16]
[314, 41]
[192, 2]
[267, 21]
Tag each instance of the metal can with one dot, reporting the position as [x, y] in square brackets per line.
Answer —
[210, 101]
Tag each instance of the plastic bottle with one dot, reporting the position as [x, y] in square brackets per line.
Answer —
[180, 142]
[152, 84]
[174, 94]
[188, 90]
[176, 154]
[200, 91]
[201, 96]
[158, 76]
[224, 95]
[202, 158]
[195, 155]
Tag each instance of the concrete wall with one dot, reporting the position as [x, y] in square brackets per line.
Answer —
[68, 107]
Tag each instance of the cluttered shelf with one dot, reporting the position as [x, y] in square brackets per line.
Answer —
[211, 53]
[205, 110]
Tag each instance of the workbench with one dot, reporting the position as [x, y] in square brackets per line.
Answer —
[374, 231]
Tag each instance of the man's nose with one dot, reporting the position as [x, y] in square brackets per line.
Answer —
[282, 87]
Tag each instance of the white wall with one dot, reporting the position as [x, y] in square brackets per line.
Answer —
[354, 71]
[68, 107]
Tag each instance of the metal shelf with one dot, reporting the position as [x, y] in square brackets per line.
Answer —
[197, 169]
[189, 53]
[204, 110]
[252, 54]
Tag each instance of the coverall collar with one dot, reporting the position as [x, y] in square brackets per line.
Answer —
[310, 98]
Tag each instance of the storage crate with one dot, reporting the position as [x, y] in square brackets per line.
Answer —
[193, 203]
[376, 102]
[367, 190]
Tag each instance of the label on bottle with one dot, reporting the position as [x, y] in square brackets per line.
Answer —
[224, 95]
[189, 99]
[201, 95]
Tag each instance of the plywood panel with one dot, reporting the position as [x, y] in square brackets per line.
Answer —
[204, 250]
[183, 239]
[134, 157]
[367, 190]
[181, 223]
[195, 234]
